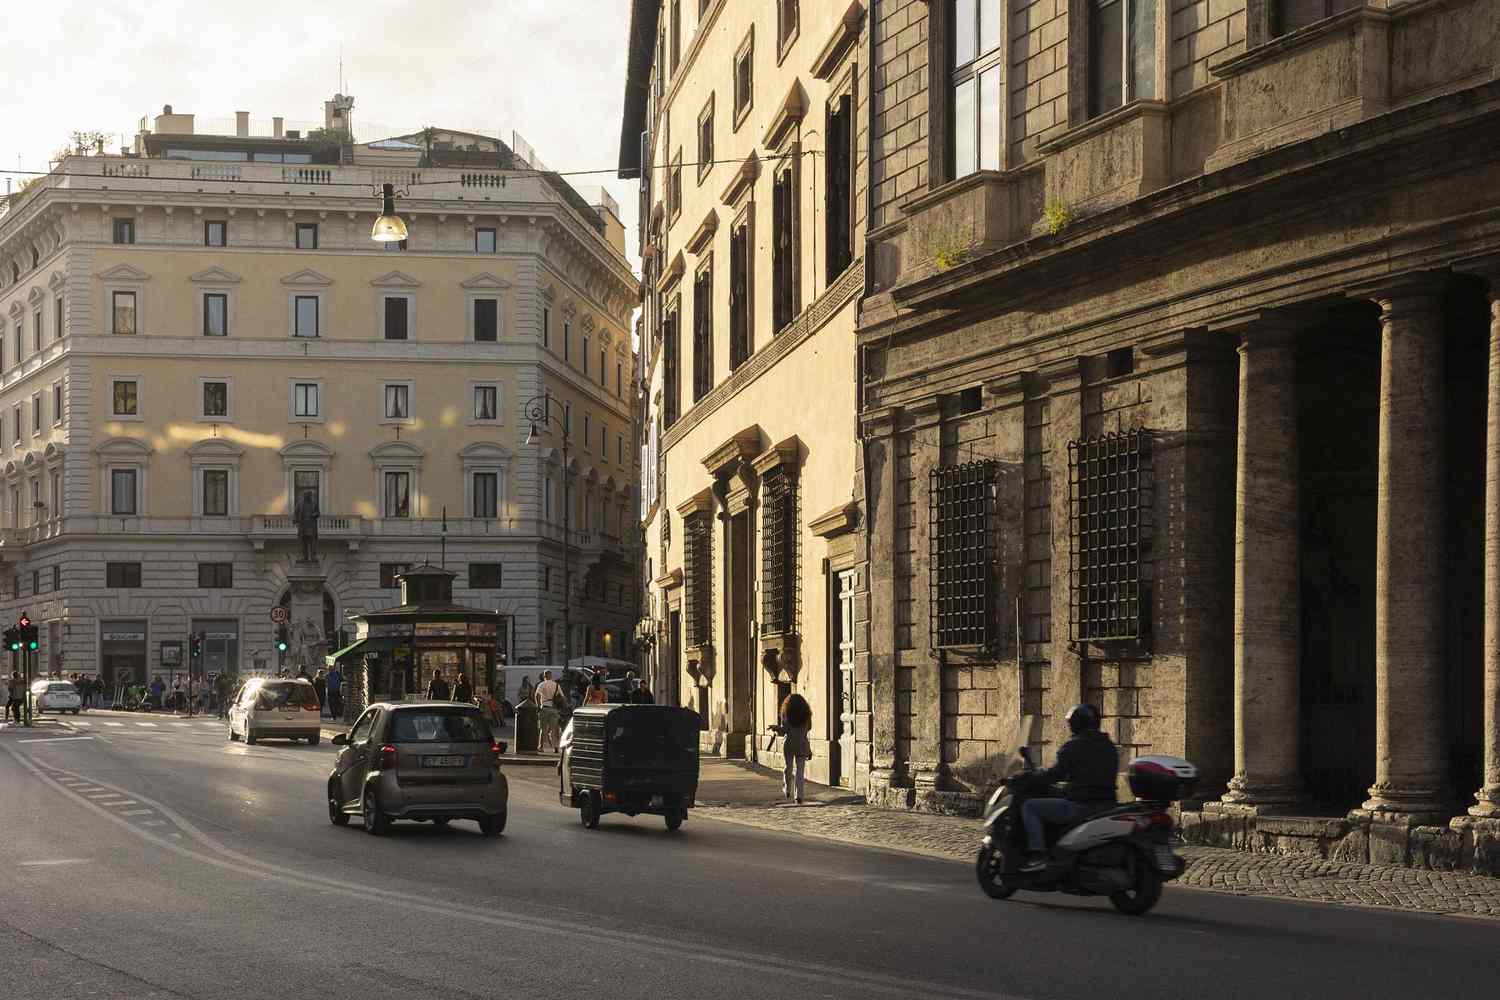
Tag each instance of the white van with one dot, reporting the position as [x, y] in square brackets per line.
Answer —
[278, 708]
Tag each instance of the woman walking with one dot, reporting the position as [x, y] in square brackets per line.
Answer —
[596, 694]
[796, 722]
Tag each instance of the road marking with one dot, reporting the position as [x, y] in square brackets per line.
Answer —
[85, 725]
[114, 723]
[153, 822]
[53, 861]
[136, 812]
[122, 802]
[55, 739]
[146, 725]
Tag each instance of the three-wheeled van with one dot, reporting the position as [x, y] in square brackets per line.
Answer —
[632, 759]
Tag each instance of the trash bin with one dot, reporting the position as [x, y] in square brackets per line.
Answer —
[527, 717]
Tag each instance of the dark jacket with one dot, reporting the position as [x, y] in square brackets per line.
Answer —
[437, 689]
[1088, 763]
[462, 691]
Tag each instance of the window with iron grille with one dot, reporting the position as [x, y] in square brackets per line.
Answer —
[839, 190]
[964, 541]
[697, 579]
[671, 390]
[783, 251]
[778, 533]
[1109, 501]
[739, 295]
[703, 333]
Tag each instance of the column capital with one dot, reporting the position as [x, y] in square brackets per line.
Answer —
[1267, 327]
[1393, 294]
[1486, 268]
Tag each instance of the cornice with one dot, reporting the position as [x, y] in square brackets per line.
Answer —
[839, 521]
[741, 447]
[828, 59]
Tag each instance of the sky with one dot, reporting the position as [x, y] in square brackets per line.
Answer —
[551, 70]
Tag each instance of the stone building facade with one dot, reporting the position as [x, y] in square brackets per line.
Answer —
[200, 329]
[1174, 399]
[748, 124]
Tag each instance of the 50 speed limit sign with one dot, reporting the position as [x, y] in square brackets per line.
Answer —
[278, 615]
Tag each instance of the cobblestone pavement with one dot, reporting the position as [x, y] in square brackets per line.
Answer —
[1303, 877]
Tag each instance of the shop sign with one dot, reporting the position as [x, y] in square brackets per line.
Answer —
[388, 630]
[171, 652]
[429, 629]
[124, 637]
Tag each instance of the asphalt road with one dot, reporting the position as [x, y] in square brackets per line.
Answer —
[155, 861]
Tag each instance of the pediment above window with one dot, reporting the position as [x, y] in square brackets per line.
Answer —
[488, 281]
[57, 281]
[307, 276]
[307, 449]
[491, 452]
[124, 272]
[396, 451]
[215, 449]
[35, 295]
[215, 276]
[396, 279]
[123, 448]
[17, 309]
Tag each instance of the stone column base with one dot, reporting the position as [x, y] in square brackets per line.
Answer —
[1412, 806]
[1262, 799]
[1487, 803]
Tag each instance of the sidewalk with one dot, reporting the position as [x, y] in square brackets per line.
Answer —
[738, 793]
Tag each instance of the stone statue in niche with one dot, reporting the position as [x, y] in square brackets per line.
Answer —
[305, 515]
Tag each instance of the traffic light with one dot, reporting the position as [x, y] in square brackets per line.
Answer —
[195, 645]
[13, 639]
[281, 638]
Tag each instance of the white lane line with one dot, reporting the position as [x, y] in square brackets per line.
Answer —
[114, 723]
[52, 861]
[99, 793]
[153, 822]
[146, 725]
[136, 812]
[55, 739]
[122, 802]
[85, 725]
[214, 725]
[181, 725]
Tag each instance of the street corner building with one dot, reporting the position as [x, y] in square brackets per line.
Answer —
[219, 396]
[1180, 395]
[747, 125]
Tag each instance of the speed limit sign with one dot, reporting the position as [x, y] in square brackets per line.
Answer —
[278, 614]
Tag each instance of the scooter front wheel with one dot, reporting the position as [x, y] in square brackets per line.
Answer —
[989, 870]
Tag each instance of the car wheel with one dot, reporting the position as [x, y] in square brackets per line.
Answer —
[336, 814]
[492, 826]
[376, 822]
[674, 820]
[250, 737]
[588, 811]
[233, 736]
[314, 740]
[75, 711]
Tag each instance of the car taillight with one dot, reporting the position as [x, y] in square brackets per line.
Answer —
[387, 761]
[495, 751]
[313, 708]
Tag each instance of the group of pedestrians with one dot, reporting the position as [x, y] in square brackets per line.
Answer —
[13, 695]
[555, 701]
[329, 684]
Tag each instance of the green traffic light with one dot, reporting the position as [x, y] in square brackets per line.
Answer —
[281, 647]
[32, 644]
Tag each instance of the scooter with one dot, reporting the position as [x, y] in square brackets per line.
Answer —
[1123, 852]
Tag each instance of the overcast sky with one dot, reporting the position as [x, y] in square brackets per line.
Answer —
[552, 70]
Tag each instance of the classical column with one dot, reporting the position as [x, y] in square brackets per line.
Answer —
[1267, 615]
[1487, 799]
[1411, 751]
[927, 766]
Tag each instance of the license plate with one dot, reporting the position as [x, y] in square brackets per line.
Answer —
[656, 800]
[455, 760]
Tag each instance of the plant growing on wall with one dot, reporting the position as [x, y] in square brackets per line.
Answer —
[948, 243]
[1058, 216]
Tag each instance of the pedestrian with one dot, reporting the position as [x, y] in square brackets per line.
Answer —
[596, 694]
[320, 688]
[335, 684]
[221, 693]
[462, 692]
[548, 694]
[526, 691]
[158, 691]
[643, 695]
[796, 722]
[5, 696]
[176, 702]
[437, 688]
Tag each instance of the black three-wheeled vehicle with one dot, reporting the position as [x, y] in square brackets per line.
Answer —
[631, 759]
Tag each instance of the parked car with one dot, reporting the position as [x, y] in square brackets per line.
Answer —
[433, 761]
[279, 708]
[55, 696]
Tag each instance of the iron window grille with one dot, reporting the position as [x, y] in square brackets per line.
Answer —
[778, 532]
[697, 582]
[965, 528]
[739, 296]
[703, 334]
[1109, 500]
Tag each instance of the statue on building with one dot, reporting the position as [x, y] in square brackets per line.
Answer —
[309, 643]
[305, 514]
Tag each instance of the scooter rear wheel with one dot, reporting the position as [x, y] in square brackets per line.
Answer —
[1139, 898]
[989, 870]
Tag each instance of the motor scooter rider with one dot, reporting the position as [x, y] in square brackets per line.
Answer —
[1088, 763]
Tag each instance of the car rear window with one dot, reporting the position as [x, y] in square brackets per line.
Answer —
[287, 696]
[439, 726]
[64, 687]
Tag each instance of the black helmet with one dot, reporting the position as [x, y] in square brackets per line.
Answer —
[1082, 717]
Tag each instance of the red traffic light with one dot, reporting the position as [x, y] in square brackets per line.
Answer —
[25, 622]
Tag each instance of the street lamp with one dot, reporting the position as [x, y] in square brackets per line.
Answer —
[388, 227]
[538, 409]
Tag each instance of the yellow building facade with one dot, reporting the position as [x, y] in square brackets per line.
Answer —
[200, 331]
[747, 124]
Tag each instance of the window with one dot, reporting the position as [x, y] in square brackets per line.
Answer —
[744, 78]
[740, 336]
[976, 94]
[547, 578]
[783, 250]
[1292, 15]
[703, 332]
[706, 139]
[397, 401]
[36, 330]
[484, 576]
[486, 402]
[216, 492]
[36, 414]
[1122, 53]
[586, 431]
[122, 491]
[216, 399]
[59, 329]
[127, 400]
[484, 241]
[585, 355]
[697, 579]
[486, 494]
[122, 312]
[307, 481]
[601, 368]
[215, 575]
[671, 364]
[56, 577]
[620, 448]
[124, 230]
[121, 575]
[393, 246]
[619, 378]
[1109, 489]
[215, 234]
[839, 185]
[568, 418]
[216, 314]
[307, 236]
[487, 320]
[57, 403]
[396, 310]
[567, 339]
[547, 326]
[388, 574]
[398, 494]
[17, 424]
[778, 529]
[676, 33]
[674, 189]
[786, 24]
[36, 581]
[547, 499]
[964, 519]
[306, 313]
[305, 402]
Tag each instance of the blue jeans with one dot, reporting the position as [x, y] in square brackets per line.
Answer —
[1055, 811]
